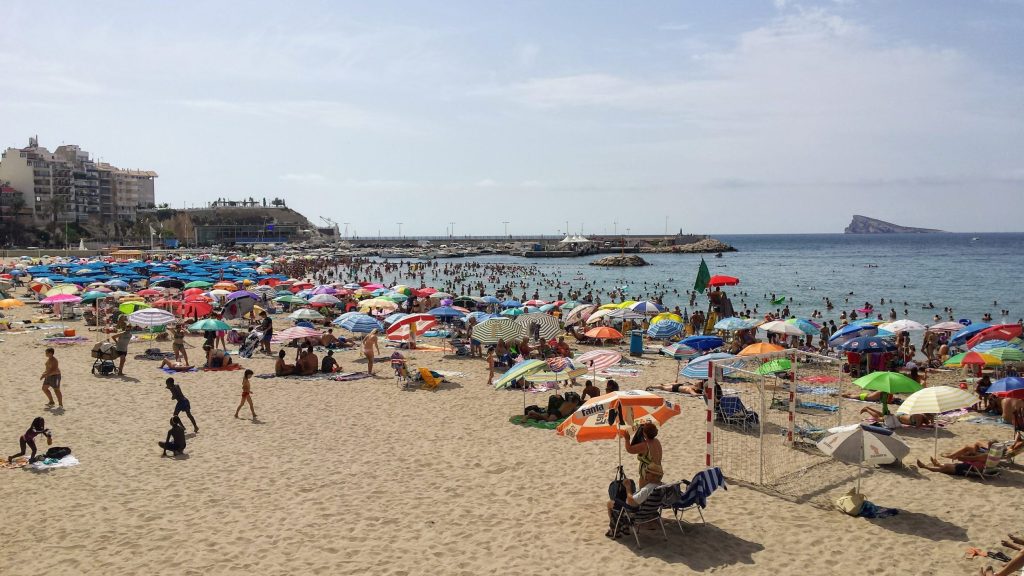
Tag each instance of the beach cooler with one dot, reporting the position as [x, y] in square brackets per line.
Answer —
[636, 343]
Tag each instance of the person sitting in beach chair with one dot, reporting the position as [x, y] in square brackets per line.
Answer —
[398, 365]
[638, 508]
[731, 410]
[986, 468]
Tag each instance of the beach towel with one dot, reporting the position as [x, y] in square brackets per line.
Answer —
[818, 379]
[449, 374]
[171, 371]
[348, 376]
[818, 390]
[50, 463]
[65, 339]
[988, 420]
[227, 368]
[527, 423]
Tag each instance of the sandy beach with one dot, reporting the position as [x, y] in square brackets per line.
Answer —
[365, 477]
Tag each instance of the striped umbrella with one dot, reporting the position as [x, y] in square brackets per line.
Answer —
[648, 308]
[559, 370]
[664, 330]
[493, 329]
[1007, 354]
[358, 324]
[598, 359]
[667, 316]
[305, 314]
[518, 371]
[579, 314]
[605, 417]
[805, 325]
[294, 333]
[549, 326]
[973, 359]
[781, 327]
[1000, 332]
[698, 367]
[151, 317]
[983, 347]
[625, 314]
[733, 323]
[936, 400]
[403, 327]
[679, 351]
[596, 316]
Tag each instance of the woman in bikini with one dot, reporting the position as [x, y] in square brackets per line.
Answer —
[246, 394]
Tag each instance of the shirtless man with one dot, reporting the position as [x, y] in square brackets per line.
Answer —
[369, 345]
[51, 379]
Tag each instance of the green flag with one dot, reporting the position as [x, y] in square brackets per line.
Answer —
[703, 277]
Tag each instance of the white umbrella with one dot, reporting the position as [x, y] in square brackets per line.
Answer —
[936, 400]
[598, 315]
[859, 444]
[324, 299]
[781, 327]
[902, 326]
[946, 327]
[305, 314]
[578, 314]
[151, 317]
[493, 329]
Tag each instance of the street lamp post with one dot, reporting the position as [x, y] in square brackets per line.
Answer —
[452, 224]
[399, 229]
[505, 222]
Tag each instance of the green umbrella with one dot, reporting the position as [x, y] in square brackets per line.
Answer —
[129, 307]
[395, 297]
[94, 295]
[198, 284]
[891, 382]
[209, 324]
[1007, 354]
[291, 299]
[569, 305]
[775, 366]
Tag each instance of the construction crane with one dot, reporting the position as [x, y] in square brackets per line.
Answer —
[332, 224]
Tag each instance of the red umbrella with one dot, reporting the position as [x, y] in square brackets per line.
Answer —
[401, 328]
[149, 292]
[196, 308]
[1000, 332]
[720, 280]
[193, 292]
[269, 282]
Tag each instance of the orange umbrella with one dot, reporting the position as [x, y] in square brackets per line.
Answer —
[760, 348]
[604, 417]
[603, 333]
[224, 285]
[11, 303]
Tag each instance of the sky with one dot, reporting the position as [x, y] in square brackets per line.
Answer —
[458, 116]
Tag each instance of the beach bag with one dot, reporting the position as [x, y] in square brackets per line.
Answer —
[851, 503]
[57, 452]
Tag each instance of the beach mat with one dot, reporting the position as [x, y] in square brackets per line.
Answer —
[987, 420]
[50, 464]
[526, 423]
[348, 376]
[170, 371]
[66, 340]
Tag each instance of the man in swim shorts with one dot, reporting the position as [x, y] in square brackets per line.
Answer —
[51, 379]
[181, 402]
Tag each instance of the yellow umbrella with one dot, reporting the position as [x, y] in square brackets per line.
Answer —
[625, 304]
[609, 306]
[378, 303]
[11, 303]
[667, 316]
[62, 289]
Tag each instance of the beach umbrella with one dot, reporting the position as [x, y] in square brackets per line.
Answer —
[163, 282]
[466, 301]
[115, 283]
[596, 316]
[72, 289]
[679, 351]
[968, 332]
[150, 317]
[698, 367]
[198, 284]
[1000, 332]
[608, 416]
[399, 297]
[1007, 354]
[774, 366]
[566, 306]
[972, 359]
[535, 303]
[196, 308]
[480, 316]
[559, 370]
[936, 400]
[493, 329]
[781, 327]
[664, 330]
[519, 370]
[149, 292]
[603, 333]
[223, 285]
[358, 323]
[378, 303]
[889, 382]
[624, 314]
[392, 318]
[902, 326]
[860, 444]
[549, 326]
[324, 300]
[132, 306]
[647, 307]
[851, 331]
[702, 343]
[325, 290]
[805, 325]
[993, 344]
[667, 316]
[12, 303]
[946, 327]
[733, 323]
[510, 303]
[722, 280]
[868, 344]
[512, 312]
[290, 299]
[209, 324]
[445, 312]
[598, 359]
[489, 300]
[238, 306]
[1007, 385]
[294, 333]
[306, 314]
[547, 308]
[579, 313]
[760, 348]
[403, 327]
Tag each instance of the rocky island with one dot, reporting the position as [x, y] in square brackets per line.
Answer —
[620, 260]
[864, 225]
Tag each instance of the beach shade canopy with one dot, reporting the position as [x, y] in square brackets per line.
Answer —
[1007, 354]
[151, 317]
[664, 330]
[647, 308]
[722, 280]
[968, 332]
[734, 323]
[403, 327]
[1005, 386]
[12, 303]
[760, 348]
[860, 444]
[936, 400]
[1000, 332]
[358, 323]
[132, 306]
[667, 316]
[973, 359]
[702, 343]
[868, 345]
[774, 366]
[598, 359]
[493, 329]
[306, 314]
[781, 327]
[608, 416]
[902, 326]
[547, 324]
[603, 333]
[209, 324]
[294, 333]
[698, 367]
[890, 382]
[679, 351]
[519, 370]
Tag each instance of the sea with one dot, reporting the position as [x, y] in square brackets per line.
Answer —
[972, 274]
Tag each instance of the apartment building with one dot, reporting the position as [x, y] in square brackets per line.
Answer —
[69, 184]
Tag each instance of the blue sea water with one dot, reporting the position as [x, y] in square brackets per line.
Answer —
[971, 273]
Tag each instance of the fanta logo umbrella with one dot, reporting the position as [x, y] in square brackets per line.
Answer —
[603, 418]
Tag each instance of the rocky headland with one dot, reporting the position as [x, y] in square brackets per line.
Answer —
[864, 225]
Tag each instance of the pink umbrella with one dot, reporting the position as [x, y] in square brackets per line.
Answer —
[293, 333]
[599, 359]
[61, 299]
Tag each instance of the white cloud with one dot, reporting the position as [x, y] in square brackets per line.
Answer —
[487, 183]
[527, 53]
[327, 113]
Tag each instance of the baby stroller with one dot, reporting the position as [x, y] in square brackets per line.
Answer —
[249, 344]
[105, 353]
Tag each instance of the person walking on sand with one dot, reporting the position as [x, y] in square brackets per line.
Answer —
[246, 394]
[369, 345]
[181, 402]
[51, 379]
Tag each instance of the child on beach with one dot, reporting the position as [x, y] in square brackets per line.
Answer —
[181, 402]
[51, 379]
[28, 439]
[175, 441]
[246, 394]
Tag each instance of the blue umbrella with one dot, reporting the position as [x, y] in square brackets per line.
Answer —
[511, 303]
[480, 316]
[965, 334]
[490, 300]
[445, 312]
[866, 344]
[733, 323]
[664, 329]
[847, 333]
[395, 317]
[647, 307]
[993, 344]
[1008, 384]
[698, 367]
[358, 323]
[701, 343]
[679, 351]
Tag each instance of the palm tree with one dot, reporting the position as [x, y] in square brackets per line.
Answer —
[55, 205]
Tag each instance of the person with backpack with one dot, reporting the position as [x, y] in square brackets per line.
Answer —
[181, 402]
[175, 441]
[28, 439]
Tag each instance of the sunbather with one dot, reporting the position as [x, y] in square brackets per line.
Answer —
[175, 365]
[954, 469]
[686, 387]
[558, 408]
[282, 368]
[590, 391]
[905, 419]
[972, 452]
